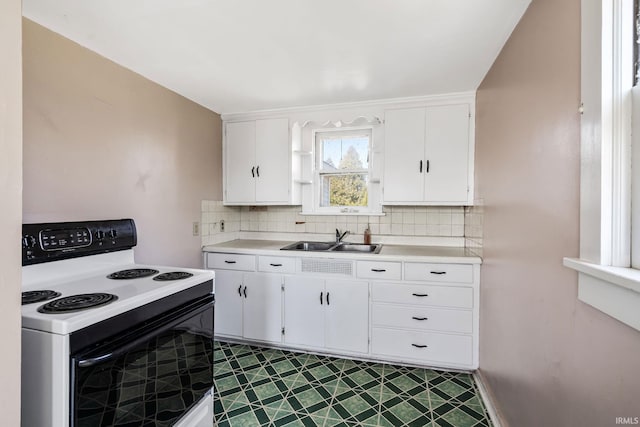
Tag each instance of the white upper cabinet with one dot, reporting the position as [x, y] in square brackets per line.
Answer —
[257, 164]
[429, 156]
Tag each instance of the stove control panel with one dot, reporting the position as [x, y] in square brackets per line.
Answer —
[46, 242]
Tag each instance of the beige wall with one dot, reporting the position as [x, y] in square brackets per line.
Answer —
[103, 142]
[11, 212]
[549, 359]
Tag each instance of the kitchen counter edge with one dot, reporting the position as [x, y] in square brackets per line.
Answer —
[434, 254]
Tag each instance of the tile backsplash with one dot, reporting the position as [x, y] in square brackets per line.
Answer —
[398, 221]
[473, 223]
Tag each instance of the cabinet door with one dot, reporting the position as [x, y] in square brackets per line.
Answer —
[404, 162]
[262, 315]
[347, 316]
[228, 309]
[447, 151]
[272, 160]
[240, 161]
[304, 311]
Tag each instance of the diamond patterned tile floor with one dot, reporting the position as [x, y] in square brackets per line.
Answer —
[266, 387]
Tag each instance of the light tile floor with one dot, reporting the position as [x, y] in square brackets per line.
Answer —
[267, 387]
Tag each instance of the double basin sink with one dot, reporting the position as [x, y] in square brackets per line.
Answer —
[333, 247]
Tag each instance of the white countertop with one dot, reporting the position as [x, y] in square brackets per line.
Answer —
[445, 254]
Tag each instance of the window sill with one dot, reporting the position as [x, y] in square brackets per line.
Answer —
[612, 290]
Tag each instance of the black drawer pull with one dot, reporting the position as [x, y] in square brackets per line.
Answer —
[378, 270]
[419, 346]
[240, 290]
[420, 318]
[245, 291]
[229, 262]
[420, 295]
[275, 265]
[321, 293]
[438, 272]
[328, 303]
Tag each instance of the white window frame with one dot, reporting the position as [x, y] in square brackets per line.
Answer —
[336, 210]
[606, 279]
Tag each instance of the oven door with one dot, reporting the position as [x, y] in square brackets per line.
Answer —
[150, 375]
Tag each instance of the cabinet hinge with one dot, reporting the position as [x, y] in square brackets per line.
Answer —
[282, 331]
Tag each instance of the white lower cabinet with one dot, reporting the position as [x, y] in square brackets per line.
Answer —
[385, 309]
[327, 314]
[248, 305]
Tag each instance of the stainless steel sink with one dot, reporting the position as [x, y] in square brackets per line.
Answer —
[333, 247]
[357, 247]
[309, 246]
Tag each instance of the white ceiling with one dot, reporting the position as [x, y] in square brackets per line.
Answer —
[248, 55]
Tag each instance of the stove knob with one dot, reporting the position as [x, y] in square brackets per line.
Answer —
[28, 241]
[113, 234]
[100, 235]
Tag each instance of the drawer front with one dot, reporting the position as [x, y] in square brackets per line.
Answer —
[422, 318]
[276, 264]
[231, 262]
[423, 346]
[427, 295]
[454, 273]
[379, 270]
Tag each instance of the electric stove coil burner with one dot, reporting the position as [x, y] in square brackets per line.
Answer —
[172, 275]
[76, 303]
[31, 297]
[133, 273]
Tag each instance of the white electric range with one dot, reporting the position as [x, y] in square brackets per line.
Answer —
[106, 341]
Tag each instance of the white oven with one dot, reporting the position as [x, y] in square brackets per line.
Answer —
[108, 342]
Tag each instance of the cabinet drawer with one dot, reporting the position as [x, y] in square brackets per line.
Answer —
[379, 270]
[456, 273]
[442, 296]
[422, 318]
[423, 346]
[231, 262]
[275, 264]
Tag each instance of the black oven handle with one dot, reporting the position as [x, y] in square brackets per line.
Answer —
[165, 326]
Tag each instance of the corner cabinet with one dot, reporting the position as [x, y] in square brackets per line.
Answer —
[429, 155]
[257, 162]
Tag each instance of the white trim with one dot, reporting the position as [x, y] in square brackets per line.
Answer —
[622, 80]
[612, 290]
[407, 102]
[635, 179]
[487, 398]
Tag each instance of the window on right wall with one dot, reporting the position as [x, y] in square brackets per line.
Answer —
[609, 263]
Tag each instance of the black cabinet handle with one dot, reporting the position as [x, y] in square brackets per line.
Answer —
[438, 272]
[427, 166]
[240, 290]
[420, 318]
[420, 166]
[245, 291]
[275, 265]
[419, 346]
[253, 172]
[258, 171]
[321, 293]
[328, 303]
[420, 295]
[378, 270]
[230, 262]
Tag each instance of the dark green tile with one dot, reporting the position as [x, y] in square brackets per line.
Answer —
[268, 387]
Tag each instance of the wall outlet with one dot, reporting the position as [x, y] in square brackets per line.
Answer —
[196, 228]
[222, 225]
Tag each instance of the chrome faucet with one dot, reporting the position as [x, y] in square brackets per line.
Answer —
[339, 236]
